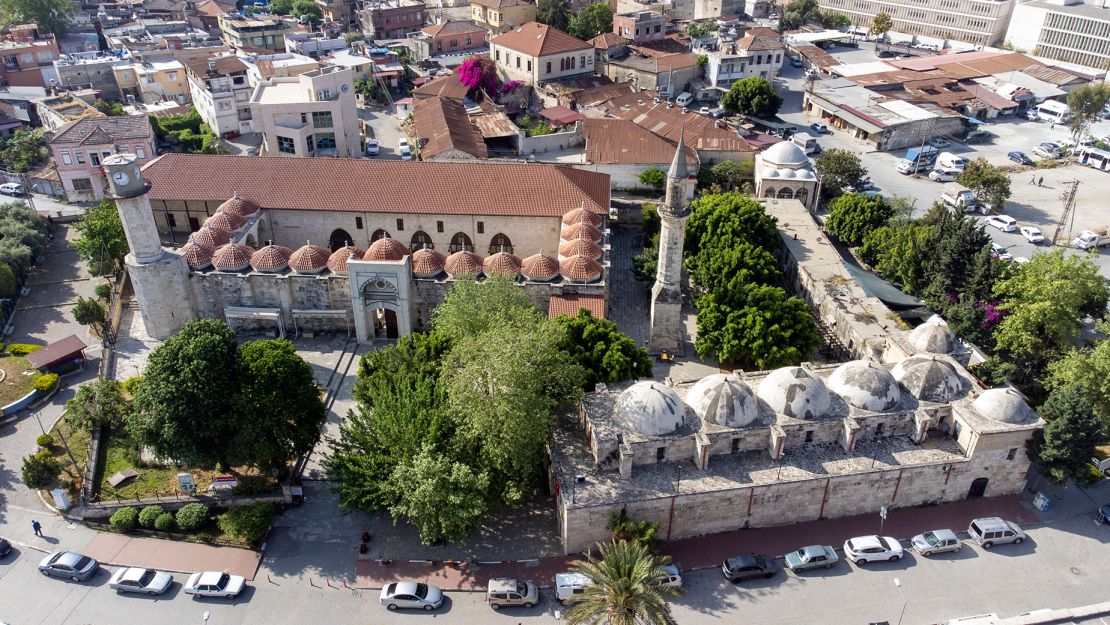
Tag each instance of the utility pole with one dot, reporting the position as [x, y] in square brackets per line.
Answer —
[1067, 218]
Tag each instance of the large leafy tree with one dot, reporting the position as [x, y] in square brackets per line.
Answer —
[1070, 436]
[900, 253]
[111, 108]
[554, 13]
[605, 353]
[23, 150]
[700, 29]
[730, 175]
[22, 237]
[472, 308]
[988, 182]
[50, 15]
[1087, 103]
[754, 96]
[100, 403]
[853, 216]
[881, 23]
[726, 217]
[839, 168]
[798, 13]
[959, 240]
[627, 588]
[729, 267]
[102, 243]
[277, 405]
[591, 21]
[758, 325]
[1088, 369]
[443, 498]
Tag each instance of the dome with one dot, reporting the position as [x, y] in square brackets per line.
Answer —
[427, 263]
[929, 379]
[784, 153]
[501, 264]
[794, 392]
[309, 258]
[933, 336]
[337, 262]
[582, 215]
[211, 237]
[386, 248]
[580, 231]
[1005, 405]
[804, 174]
[540, 267]
[233, 257]
[239, 206]
[225, 221]
[580, 247]
[768, 172]
[580, 269]
[865, 385]
[198, 256]
[272, 258]
[724, 399]
[463, 263]
[650, 408]
[787, 173]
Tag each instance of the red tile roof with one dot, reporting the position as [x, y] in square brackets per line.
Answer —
[604, 41]
[337, 262]
[501, 264]
[580, 231]
[271, 258]
[386, 248]
[453, 28]
[570, 303]
[238, 206]
[580, 247]
[581, 216]
[539, 267]
[580, 269]
[443, 125]
[198, 256]
[225, 221]
[211, 237]
[463, 263]
[535, 39]
[103, 130]
[233, 257]
[309, 258]
[427, 262]
[329, 184]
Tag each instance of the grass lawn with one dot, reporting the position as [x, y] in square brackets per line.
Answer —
[78, 443]
[18, 378]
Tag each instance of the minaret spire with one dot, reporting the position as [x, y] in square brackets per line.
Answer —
[666, 294]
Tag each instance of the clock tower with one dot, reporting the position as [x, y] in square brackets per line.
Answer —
[159, 276]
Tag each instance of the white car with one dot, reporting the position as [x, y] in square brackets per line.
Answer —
[372, 147]
[1031, 234]
[404, 149]
[1044, 152]
[1000, 252]
[214, 584]
[942, 175]
[11, 188]
[1005, 223]
[411, 595]
[864, 549]
[140, 580]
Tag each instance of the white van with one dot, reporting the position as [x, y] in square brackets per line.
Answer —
[948, 160]
[805, 141]
[569, 584]
[1053, 112]
[684, 99]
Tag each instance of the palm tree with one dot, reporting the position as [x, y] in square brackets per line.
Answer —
[627, 588]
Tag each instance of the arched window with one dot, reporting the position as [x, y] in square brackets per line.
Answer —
[769, 192]
[380, 233]
[802, 196]
[785, 192]
[421, 241]
[339, 238]
[461, 243]
[500, 243]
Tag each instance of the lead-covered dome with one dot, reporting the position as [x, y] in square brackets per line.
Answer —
[933, 336]
[309, 258]
[386, 248]
[723, 399]
[337, 262]
[784, 153]
[865, 385]
[540, 267]
[1005, 405]
[271, 259]
[929, 378]
[794, 392]
[650, 408]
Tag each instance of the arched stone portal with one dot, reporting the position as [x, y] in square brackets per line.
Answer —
[380, 298]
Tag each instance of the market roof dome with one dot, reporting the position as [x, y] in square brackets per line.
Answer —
[582, 215]
[580, 231]
[650, 408]
[463, 263]
[794, 392]
[581, 247]
[723, 399]
[427, 263]
[865, 385]
[1005, 405]
[501, 264]
[580, 269]
[225, 221]
[540, 267]
[270, 259]
[784, 153]
[386, 248]
[337, 262]
[929, 378]
[198, 256]
[211, 237]
[309, 258]
[239, 206]
[933, 336]
[233, 257]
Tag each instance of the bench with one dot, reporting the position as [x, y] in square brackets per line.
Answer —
[122, 476]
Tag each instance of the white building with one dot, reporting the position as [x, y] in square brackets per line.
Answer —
[315, 45]
[534, 53]
[312, 114]
[758, 52]
[1066, 30]
[221, 92]
[982, 22]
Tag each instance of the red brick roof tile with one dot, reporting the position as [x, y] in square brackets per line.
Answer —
[570, 303]
[233, 257]
[238, 206]
[580, 231]
[337, 262]
[539, 267]
[580, 247]
[211, 237]
[225, 221]
[463, 263]
[271, 258]
[198, 256]
[386, 248]
[427, 263]
[535, 39]
[309, 258]
[580, 269]
[582, 216]
[501, 264]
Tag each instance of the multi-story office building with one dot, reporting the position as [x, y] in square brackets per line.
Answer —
[1066, 30]
[982, 22]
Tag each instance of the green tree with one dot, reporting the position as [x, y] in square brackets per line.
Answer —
[700, 29]
[370, 90]
[591, 21]
[839, 169]
[22, 237]
[51, 16]
[756, 325]
[1088, 369]
[309, 9]
[278, 405]
[958, 241]
[798, 13]
[1070, 436]
[753, 96]
[730, 217]
[88, 312]
[881, 24]
[247, 523]
[8, 283]
[653, 177]
[731, 175]
[900, 254]
[605, 353]
[1087, 103]
[111, 108]
[471, 309]
[23, 151]
[98, 404]
[554, 13]
[39, 470]
[443, 498]
[102, 243]
[729, 266]
[281, 7]
[989, 183]
[627, 588]
[853, 216]
[832, 19]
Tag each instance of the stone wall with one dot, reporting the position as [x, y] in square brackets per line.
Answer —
[570, 138]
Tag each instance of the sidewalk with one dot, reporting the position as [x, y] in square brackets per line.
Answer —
[708, 551]
[171, 555]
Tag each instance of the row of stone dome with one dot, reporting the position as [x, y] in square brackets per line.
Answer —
[654, 409]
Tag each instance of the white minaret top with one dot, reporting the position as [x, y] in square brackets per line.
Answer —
[127, 187]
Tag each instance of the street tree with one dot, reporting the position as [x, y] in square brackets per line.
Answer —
[653, 177]
[605, 353]
[834, 20]
[102, 243]
[98, 404]
[39, 470]
[23, 151]
[1070, 436]
[987, 182]
[8, 283]
[51, 16]
[445, 499]
[1087, 103]
[554, 13]
[724, 218]
[756, 325]
[591, 21]
[88, 312]
[1089, 369]
[471, 309]
[754, 96]
[881, 23]
[370, 90]
[839, 169]
[853, 216]
[627, 587]
[22, 237]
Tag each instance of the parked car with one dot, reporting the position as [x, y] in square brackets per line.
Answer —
[943, 175]
[1032, 234]
[811, 557]
[795, 61]
[1019, 158]
[872, 192]
[936, 541]
[939, 143]
[865, 184]
[673, 576]
[748, 566]
[1005, 223]
[978, 136]
[819, 128]
[1044, 152]
[1000, 252]
[11, 188]
[145, 581]
[569, 584]
[411, 595]
[214, 584]
[506, 591]
[404, 149]
[69, 564]
[230, 134]
[5, 547]
[372, 147]
[1031, 115]
[990, 531]
[864, 549]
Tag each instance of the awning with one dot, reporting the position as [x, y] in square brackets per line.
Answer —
[887, 293]
[386, 74]
[561, 115]
[56, 353]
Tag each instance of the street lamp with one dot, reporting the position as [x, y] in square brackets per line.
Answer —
[898, 585]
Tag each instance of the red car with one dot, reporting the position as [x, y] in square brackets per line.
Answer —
[231, 134]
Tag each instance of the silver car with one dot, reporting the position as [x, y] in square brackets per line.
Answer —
[140, 580]
[936, 541]
[68, 564]
[412, 595]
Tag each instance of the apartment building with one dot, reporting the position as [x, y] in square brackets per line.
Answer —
[501, 15]
[535, 53]
[56, 111]
[706, 9]
[315, 45]
[758, 52]
[263, 32]
[391, 19]
[1072, 31]
[28, 57]
[447, 38]
[337, 11]
[90, 70]
[79, 147]
[221, 92]
[153, 82]
[981, 22]
[312, 114]
[641, 26]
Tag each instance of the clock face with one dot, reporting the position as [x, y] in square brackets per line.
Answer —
[121, 178]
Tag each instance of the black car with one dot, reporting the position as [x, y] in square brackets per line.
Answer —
[749, 566]
[5, 547]
[1019, 157]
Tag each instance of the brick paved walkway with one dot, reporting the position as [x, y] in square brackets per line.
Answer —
[170, 555]
[629, 298]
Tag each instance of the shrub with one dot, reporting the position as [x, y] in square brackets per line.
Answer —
[103, 291]
[247, 523]
[39, 470]
[164, 522]
[192, 517]
[125, 519]
[46, 383]
[1093, 475]
[149, 516]
[22, 349]
[45, 441]
[131, 384]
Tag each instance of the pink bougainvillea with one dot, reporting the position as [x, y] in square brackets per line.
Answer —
[510, 86]
[992, 315]
[479, 71]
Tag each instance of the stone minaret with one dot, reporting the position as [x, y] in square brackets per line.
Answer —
[159, 276]
[666, 295]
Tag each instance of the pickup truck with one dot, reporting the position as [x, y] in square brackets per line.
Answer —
[1090, 239]
[957, 196]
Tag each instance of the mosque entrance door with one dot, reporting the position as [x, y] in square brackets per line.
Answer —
[385, 324]
[978, 488]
